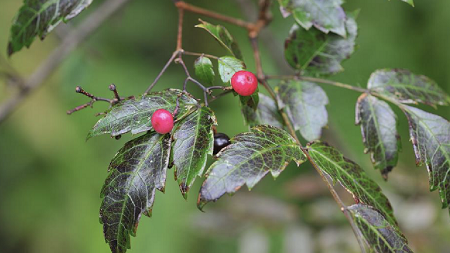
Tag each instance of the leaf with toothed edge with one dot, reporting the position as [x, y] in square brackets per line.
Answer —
[229, 65]
[222, 35]
[325, 15]
[135, 173]
[430, 135]
[379, 131]
[248, 158]
[378, 233]
[134, 114]
[406, 87]
[39, 17]
[266, 113]
[204, 69]
[316, 53]
[304, 103]
[352, 177]
[193, 141]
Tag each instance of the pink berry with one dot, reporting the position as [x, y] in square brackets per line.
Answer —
[244, 83]
[162, 121]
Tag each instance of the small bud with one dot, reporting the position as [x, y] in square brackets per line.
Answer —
[78, 89]
[112, 87]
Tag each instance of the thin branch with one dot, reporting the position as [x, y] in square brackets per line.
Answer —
[180, 29]
[200, 54]
[185, 6]
[174, 55]
[78, 35]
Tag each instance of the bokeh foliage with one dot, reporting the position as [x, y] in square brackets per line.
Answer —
[50, 177]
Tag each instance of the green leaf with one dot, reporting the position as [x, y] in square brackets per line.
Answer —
[204, 70]
[407, 87]
[134, 114]
[248, 159]
[193, 141]
[265, 114]
[325, 15]
[249, 105]
[430, 135]
[304, 103]
[222, 35]
[229, 65]
[410, 2]
[137, 170]
[379, 131]
[316, 53]
[378, 233]
[39, 17]
[352, 177]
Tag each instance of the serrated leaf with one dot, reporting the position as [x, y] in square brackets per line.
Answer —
[316, 53]
[266, 113]
[379, 131]
[352, 177]
[222, 35]
[204, 70]
[248, 159]
[378, 233]
[407, 87]
[229, 65]
[39, 17]
[134, 114]
[304, 103]
[430, 135]
[193, 141]
[325, 15]
[137, 170]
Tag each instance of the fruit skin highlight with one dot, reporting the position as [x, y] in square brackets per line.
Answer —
[162, 121]
[220, 141]
[244, 83]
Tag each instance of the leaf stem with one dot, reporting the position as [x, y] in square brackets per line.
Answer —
[174, 55]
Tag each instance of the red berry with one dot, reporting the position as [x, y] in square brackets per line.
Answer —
[162, 121]
[244, 83]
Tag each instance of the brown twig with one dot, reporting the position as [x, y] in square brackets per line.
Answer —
[180, 29]
[188, 7]
[174, 55]
[76, 36]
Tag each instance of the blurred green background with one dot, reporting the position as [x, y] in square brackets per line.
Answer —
[50, 177]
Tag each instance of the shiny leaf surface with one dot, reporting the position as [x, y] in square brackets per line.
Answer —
[39, 17]
[266, 113]
[222, 35]
[406, 87]
[379, 131]
[229, 65]
[430, 135]
[204, 70]
[325, 15]
[137, 170]
[134, 114]
[378, 233]
[304, 103]
[316, 53]
[193, 141]
[248, 159]
[352, 177]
